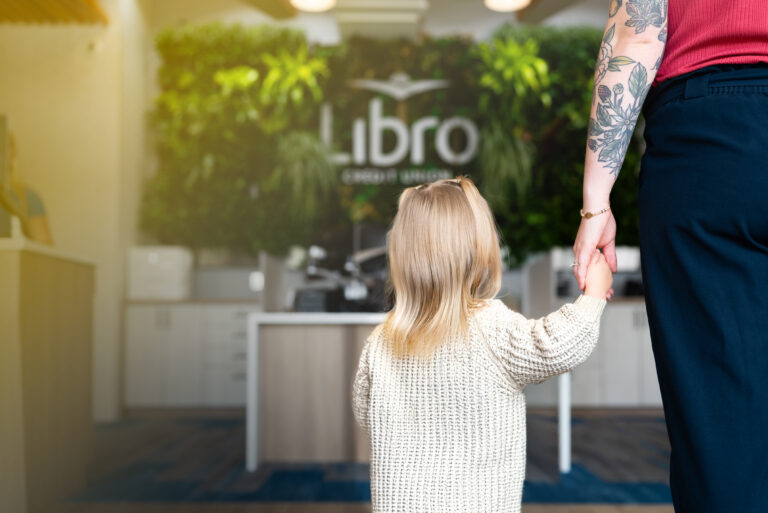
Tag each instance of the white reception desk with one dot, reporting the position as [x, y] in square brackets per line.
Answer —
[299, 384]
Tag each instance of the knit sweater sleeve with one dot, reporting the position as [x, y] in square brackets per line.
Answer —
[533, 350]
[361, 387]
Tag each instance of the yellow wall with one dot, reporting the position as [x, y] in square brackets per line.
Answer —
[79, 134]
[77, 98]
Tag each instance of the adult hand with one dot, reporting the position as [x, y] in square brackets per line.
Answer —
[598, 232]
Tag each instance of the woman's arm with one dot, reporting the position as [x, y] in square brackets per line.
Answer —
[630, 55]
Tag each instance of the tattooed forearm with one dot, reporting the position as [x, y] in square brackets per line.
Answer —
[646, 13]
[606, 61]
[622, 82]
[610, 130]
[614, 7]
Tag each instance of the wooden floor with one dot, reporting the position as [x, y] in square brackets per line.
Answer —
[330, 508]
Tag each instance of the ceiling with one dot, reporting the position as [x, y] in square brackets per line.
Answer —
[52, 11]
[409, 18]
[278, 9]
[542, 9]
[386, 17]
[389, 19]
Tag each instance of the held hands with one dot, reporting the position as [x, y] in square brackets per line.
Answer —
[599, 277]
[597, 232]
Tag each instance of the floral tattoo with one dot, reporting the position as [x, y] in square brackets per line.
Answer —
[614, 7]
[606, 61]
[645, 13]
[610, 131]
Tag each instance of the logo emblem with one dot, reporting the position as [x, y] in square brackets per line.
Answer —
[399, 86]
[369, 161]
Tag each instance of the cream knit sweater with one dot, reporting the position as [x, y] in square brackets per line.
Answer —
[448, 433]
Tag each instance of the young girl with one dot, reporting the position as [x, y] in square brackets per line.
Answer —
[439, 386]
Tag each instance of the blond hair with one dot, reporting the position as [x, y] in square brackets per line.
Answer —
[444, 262]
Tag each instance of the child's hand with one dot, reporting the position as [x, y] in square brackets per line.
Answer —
[599, 277]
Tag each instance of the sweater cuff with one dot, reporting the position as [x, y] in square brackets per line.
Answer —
[590, 307]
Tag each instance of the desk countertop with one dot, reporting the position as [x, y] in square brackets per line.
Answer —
[316, 317]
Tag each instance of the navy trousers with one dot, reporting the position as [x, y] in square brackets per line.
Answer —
[703, 227]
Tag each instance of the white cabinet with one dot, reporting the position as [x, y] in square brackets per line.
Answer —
[620, 351]
[621, 370]
[186, 354]
[224, 355]
[628, 374]
[182, 347]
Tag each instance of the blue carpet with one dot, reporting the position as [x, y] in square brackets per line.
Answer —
[581, 486]
[315, 483]
[201, 460]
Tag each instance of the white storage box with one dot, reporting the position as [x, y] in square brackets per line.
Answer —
[159, 272]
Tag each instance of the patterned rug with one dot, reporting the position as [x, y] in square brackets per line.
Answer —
[618, 458]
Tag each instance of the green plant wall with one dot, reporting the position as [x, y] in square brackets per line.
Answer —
[547, 214]
[241, 165]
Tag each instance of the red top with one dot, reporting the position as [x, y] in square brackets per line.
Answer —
[707, 32]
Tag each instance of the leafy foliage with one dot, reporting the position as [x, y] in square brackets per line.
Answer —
[547, 214]
[232, 141]
[511, 66]
[305, 169]
[513, 80]
[291, 79]
[506, 162]
[240, 166]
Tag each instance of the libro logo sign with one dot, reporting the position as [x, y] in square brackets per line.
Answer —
[369, 162]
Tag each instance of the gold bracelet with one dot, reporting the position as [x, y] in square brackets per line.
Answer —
[589, 215]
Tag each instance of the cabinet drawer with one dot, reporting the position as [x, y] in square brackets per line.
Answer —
[224, 385]
[227, 321]
[225, 338]
[224, 355]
